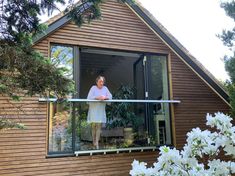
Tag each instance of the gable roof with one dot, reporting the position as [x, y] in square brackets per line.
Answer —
[61, 19]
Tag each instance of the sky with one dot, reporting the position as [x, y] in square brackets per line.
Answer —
[195, 24]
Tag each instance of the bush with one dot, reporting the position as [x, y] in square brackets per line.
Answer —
[201, 146]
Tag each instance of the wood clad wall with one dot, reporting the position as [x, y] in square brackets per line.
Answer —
[118, 29]
[23, 152]
[197, 99]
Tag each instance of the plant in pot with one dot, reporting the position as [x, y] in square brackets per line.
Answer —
[123, 114]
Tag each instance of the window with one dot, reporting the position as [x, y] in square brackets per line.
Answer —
[62, 56]
[129, 125]
[60, 114]
[158, 89]
[60, 128]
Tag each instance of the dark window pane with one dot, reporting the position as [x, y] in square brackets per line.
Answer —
[160, 130]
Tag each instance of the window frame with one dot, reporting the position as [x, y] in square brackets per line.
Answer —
[76, 77]
[50, 153]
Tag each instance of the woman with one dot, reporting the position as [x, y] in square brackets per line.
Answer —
[96, 112]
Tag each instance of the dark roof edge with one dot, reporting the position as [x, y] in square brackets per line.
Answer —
[179, 51]
[59, 22]
[51, 28]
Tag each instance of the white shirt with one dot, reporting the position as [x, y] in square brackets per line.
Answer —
[96, 112]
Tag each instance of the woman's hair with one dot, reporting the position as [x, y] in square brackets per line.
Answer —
[99, 77]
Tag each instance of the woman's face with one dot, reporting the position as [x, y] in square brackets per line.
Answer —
[100, 83]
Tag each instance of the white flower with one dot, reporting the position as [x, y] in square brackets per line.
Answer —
[173, 162]
[139, 168]
[221, 121]
[219, 168]
[232, 166]
[198, 170]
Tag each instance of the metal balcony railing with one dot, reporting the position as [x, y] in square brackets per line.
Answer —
[116, 150]
[110, 101]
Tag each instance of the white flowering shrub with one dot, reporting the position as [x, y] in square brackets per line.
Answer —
[200, 145]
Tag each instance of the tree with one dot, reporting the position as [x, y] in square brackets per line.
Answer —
[22, 69]
[228, 38]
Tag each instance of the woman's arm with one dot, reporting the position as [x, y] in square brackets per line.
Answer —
[108, 94]
[91, 94]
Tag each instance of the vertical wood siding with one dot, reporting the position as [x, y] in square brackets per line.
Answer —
[23, 152]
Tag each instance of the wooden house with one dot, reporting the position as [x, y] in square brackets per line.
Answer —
[130, 48]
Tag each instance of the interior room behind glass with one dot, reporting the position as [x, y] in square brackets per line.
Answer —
[128, 75]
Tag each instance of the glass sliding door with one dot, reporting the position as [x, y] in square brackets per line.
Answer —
[125, 121]
[158, 113]
[139, 85]
[129, 124]
[152, 83]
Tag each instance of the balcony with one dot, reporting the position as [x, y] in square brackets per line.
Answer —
[132, 125]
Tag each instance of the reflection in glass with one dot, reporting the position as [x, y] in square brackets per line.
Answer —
[60, 114]
[123, 128]
[62, 56]
[60, 128]
[158, 90]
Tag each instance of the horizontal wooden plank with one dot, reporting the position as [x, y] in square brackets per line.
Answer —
[109, 28]
[67, 171]
[113, 22]
[43, 112]
[106, 44]
[115, 35]
[22, 146]
[20, 142]
[83, 167]
[98, 158]
[21, 158]
[22, 98]
[26, 108]
[27, 138]
[25, 150]
[104, 39]
[103, 45]
[22, 135]
[36, 153]
[81, 161]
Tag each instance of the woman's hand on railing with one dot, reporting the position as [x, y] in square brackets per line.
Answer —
[102, 97]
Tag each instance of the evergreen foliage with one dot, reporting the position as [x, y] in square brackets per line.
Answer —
[24, 71]
[228, 38]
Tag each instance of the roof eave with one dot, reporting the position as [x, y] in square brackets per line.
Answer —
[51, 28]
